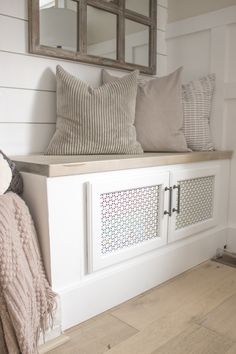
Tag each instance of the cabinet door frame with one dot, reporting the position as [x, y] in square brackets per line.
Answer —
[108, 184]
[191, 173]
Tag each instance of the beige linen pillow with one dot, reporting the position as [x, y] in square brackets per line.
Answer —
[159, 113]
[95, 120]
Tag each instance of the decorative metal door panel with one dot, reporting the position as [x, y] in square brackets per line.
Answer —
[195, 206]
[197, 201]
[126, 218]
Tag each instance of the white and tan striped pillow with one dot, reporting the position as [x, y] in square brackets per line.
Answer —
[95, 120]
[197, 102]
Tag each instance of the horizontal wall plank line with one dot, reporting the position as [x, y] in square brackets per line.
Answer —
[22, 123]
[25, 89]
[165, 7]
[161, 29]
[18, 53]
[25, 138]
[14, 17]
[164, 55]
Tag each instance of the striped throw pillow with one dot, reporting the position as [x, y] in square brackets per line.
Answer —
[197, 102]
[95, 120]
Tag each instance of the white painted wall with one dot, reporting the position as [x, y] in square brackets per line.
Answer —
[181, 9]
[27, 82]
[205, 44]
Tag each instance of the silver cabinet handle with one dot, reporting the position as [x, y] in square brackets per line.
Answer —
[169, 212]
[178, 202]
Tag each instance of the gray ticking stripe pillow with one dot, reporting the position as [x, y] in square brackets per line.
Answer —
[95, 120]
[197, 102]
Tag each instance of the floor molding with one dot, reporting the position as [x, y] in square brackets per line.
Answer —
[54, 343]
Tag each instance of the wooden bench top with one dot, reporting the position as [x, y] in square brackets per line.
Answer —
[54, 166]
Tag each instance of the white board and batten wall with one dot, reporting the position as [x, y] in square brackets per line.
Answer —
[28, 84]
[206, 44]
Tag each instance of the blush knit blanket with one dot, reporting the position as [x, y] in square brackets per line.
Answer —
[27, 302]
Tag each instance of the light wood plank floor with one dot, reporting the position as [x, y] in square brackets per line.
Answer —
[194, 313]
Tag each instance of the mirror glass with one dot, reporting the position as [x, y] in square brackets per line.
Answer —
[136, 43]
[115, 33]
[101, 33]
[141, 7]
[58, 24]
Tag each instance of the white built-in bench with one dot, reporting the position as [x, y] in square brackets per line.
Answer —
[112, 227]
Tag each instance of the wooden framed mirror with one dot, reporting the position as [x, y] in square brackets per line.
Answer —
[115, 33]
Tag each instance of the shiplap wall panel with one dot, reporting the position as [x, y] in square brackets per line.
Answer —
[32, 106]
[32, 72]
[162, 65]
[13, 34]
[162, 15]
[27, 72]
[161, 43]
[15, 8]
[28, 84]
[25, 138]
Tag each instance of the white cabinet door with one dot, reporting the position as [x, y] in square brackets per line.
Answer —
[194, 201]
[126, 217]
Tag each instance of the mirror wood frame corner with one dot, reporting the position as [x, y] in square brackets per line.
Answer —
[117, 8]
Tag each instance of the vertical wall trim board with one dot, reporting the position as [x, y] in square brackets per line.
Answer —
[217, 66]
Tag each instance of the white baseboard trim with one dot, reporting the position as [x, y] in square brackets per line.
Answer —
[105, 289]
[52, 344]
[231, 238]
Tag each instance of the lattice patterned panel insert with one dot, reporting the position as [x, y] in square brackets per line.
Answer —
[129, 217]
[196, 202]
